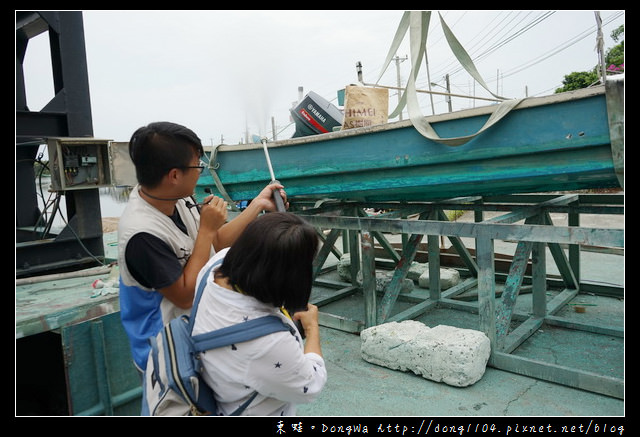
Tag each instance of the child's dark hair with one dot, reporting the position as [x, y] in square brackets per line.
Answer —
[273, 260]
[158, 147]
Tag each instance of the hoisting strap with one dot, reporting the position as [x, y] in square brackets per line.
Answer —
[417, 22]
[216, 179]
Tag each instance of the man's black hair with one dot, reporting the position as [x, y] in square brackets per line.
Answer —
[158, 147]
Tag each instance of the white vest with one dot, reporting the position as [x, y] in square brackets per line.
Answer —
[140, 216]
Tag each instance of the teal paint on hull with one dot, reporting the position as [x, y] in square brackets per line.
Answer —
[562, 145]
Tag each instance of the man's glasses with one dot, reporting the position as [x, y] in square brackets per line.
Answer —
[202, 166]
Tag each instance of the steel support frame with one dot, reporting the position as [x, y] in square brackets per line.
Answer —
[532, 237]
[68, 114]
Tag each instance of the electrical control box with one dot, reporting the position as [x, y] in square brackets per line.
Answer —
[81, 163]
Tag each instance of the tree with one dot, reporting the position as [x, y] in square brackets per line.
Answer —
[578, 79]
[615, 55]
[614, 60]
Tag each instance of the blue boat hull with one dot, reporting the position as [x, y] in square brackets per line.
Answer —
[554, 143]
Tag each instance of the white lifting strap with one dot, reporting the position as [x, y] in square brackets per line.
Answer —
[418, 24]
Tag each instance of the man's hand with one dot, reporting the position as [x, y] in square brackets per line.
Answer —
[213, 214]
[265, 198]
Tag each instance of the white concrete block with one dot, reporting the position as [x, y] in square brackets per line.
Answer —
[444, 353]
[416, 270]
[383, 277]
[448, 278]
[344, 267]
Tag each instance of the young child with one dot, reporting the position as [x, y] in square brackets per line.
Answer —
[266, 271]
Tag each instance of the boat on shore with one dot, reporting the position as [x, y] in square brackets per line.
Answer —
[568, 141]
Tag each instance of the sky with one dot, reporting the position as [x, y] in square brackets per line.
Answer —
[224, 73]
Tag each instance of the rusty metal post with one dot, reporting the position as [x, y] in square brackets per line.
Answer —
[486, 287]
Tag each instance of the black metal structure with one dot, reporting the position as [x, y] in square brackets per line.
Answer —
[68, 114]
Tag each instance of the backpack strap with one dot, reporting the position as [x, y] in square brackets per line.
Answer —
[239, 332]
[199, 289]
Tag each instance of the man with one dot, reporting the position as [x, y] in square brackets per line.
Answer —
[164, 238]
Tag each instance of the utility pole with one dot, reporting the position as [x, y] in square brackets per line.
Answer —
[398, 60]
[447, 96]
[600, 48]
[449, 91]
[273, 128]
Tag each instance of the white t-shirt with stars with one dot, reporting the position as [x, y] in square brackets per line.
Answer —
[274, 365]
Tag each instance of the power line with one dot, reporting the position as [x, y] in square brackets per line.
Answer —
[480, 38]
[501, 29]
[543, 57]
[515, 35]
[507, 39]
[557, 49]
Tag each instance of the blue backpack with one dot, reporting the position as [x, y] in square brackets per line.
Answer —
[174, 385]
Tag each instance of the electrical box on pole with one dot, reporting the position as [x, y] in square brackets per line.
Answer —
[81, 163]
